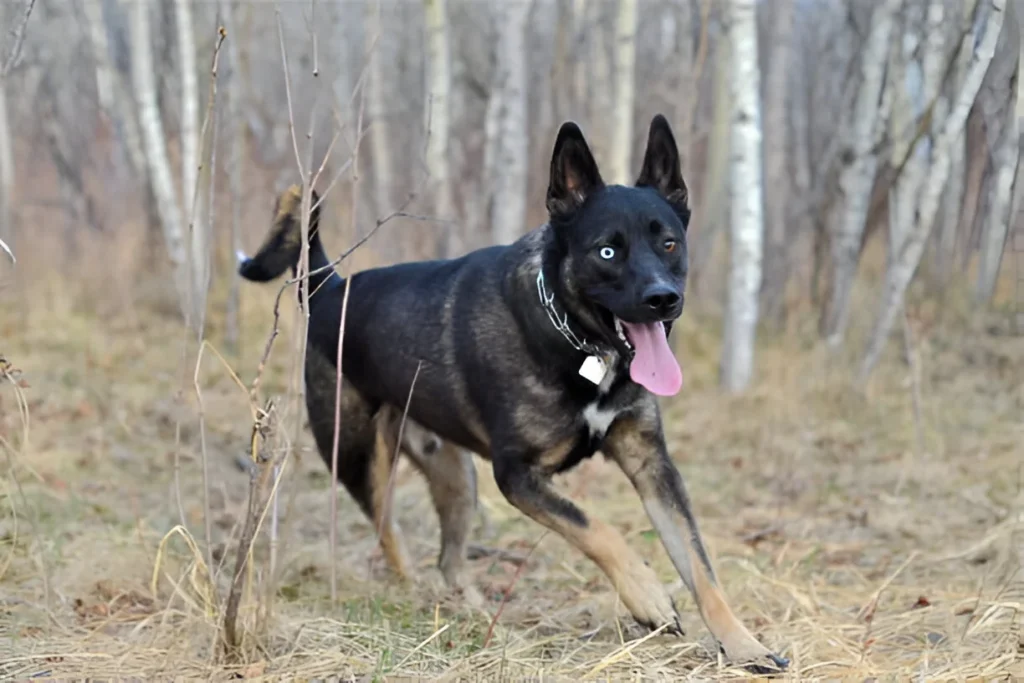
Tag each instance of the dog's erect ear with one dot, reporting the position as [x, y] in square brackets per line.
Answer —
[661, 169]
[574, 173]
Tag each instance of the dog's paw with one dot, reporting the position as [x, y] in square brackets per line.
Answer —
[646, 598]
[755, 658]
[655, 610]
[469, 595]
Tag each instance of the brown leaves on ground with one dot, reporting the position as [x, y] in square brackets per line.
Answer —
[108, 602]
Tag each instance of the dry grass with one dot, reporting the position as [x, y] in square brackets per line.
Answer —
[839, 543]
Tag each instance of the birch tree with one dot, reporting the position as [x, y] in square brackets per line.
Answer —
[745, 192]
[115, 100]
[714, 210]
[776, 123]
[144, 81]
[509, 182]
[439, 81]
[622, 116]
[378, 91]
[905, 262]
[918, 81]
[189, 101]
[857, 176]
[236, 130]
[10, 59]
[996, 222]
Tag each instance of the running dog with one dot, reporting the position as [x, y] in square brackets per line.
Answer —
[534, 355]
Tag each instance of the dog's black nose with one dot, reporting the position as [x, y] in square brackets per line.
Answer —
[663, 299]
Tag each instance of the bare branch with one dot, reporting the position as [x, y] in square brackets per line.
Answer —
[18, 35]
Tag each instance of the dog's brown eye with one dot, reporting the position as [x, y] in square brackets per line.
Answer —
[670, 246]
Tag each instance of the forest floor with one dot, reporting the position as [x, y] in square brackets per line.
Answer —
[850, 536]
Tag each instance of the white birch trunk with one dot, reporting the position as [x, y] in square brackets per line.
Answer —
[236, 164]
[380, 140]
[857, 177]
[777, 199]
[438, 90]
[747, 219]
[93, 10]
[949, 214]
[904, 195]
[508, 193]
[714, 210]
[907, 259]
[625, 86]
[193, 197]
[113, 96]
[997, 220]
[189, 102]
[492, 152]
[599, 77]
[160, 177]
[6, 175]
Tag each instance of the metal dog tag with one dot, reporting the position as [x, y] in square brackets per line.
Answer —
[594, 369]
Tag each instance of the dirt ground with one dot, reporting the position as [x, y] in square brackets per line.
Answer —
[851, 537]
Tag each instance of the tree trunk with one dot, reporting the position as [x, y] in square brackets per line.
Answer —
[747, 220]
[776, 201]
[949, 215]
[909, 256]
[189, 103]
[93, 10]
[380, 140]
[996, 222]
[236, 130]
[508, 196]
[976, 163]
[439, 79]
[6, 175]
[907, 110]
[143, 78]
[857, 176]
[625, 86]
[713, 211]
[600, 77]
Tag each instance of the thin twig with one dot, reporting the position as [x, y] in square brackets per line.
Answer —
[914, 363]
[385, 513]
[508, 591]
[18, 34]
[333, 540]
[208, 118]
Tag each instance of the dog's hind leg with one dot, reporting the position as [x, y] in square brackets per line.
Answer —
[637, 445]
[365, 452]
[381, 500]
[529, 489]
[452, 480]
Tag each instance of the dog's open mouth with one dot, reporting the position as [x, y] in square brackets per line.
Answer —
[653, 366]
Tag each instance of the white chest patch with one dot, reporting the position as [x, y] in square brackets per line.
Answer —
[598, 419]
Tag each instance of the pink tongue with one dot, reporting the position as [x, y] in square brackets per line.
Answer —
[653, 367]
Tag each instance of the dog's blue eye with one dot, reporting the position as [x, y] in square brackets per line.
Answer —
[607, 253]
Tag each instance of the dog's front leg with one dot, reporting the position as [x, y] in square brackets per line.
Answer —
[635, 582]
[638, 446]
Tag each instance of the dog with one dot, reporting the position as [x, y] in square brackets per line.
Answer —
[534, 355]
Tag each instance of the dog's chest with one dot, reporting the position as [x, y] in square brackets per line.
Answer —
[599, 418]
[599, 414]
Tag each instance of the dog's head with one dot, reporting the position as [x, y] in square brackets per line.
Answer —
[623, 256]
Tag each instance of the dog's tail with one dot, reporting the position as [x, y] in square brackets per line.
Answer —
[282, 247]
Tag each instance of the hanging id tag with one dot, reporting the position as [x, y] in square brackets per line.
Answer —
[594, 369]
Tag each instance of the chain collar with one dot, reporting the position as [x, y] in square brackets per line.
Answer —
[561, 324]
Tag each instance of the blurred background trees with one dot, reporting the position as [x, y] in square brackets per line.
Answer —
[850, 164]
